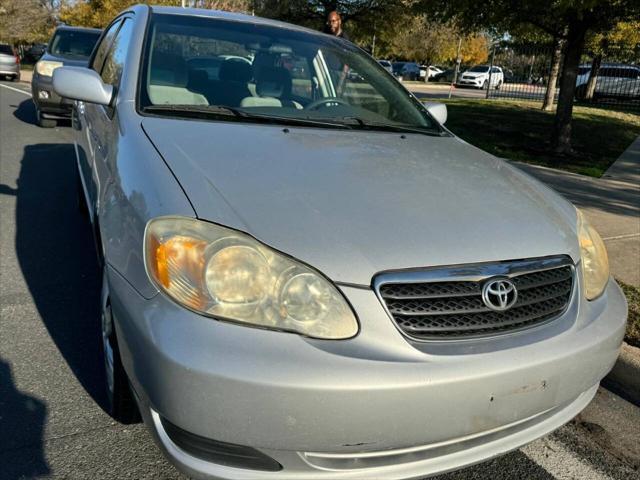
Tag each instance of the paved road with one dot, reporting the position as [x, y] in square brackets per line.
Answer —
[51, 419]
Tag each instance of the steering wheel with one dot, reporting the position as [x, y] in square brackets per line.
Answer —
[325, 101]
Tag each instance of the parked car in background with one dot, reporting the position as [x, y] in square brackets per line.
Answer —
[321, 283]
[480, 76]
[68, 46]
[615, 80]
[432, 69]
[35, 51]
[9, 63]
[509, 76]
[387, 65]
[444, 76]
[406, 70]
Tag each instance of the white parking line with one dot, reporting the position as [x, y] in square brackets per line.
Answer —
[620, 237]
[14, 89]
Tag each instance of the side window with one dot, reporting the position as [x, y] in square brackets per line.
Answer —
[103, 48]
[114, 62]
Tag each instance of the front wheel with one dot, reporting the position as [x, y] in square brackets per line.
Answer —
[44, 122]
[498, 85]
[121, 404]
[484, 86]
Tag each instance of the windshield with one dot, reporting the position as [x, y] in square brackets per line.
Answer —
[73, 43]
[480, 69]
[6, 50]
[271, 72]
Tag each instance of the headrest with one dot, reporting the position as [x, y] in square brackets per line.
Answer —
[235, 70]
[273, 82]
[168, 69]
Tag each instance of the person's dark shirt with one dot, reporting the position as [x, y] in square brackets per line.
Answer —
[342, 34]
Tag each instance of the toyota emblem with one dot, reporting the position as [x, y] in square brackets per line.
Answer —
[499, 294]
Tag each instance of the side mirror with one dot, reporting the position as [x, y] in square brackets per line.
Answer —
[437, 111]
[81, 83]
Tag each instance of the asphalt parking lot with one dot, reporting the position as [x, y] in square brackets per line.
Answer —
[52, 424]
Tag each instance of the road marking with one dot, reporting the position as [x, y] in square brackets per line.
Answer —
[560, 462]
[620, 237]
[14, 89]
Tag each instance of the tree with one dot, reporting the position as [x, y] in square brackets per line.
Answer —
[474, 49]
[98, 13]
[425, 42]
[567, 19]
[621, 43]
[27, 21]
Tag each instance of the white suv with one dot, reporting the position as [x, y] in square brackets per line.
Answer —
[480, 76]
[614, 80]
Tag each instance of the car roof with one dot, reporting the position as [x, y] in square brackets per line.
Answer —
[230, 16]
[611, 65]
[72, 28]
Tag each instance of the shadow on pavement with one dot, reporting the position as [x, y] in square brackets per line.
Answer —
[510, 466]
[55, 251]
[26, 112]
[584, 192]
[22, 420]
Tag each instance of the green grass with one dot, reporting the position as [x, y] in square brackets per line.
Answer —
[632, 293]
[521, 131]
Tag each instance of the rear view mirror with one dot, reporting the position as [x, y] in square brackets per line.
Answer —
[437, 111]
[81, 83]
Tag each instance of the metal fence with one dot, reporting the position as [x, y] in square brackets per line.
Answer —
[525, 72]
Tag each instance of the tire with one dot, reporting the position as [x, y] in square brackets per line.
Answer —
[45, 122]
[121, 404]
[498, 85]
[15, 78]
[484, 85]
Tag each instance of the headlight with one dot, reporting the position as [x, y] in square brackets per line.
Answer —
[222, 273]
[595, 264]
[46, 68]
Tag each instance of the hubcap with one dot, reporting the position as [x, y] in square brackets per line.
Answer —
[107, 329]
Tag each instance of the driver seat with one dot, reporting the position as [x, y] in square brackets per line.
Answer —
[273, 87]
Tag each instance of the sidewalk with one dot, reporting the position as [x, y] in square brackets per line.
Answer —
[26, 76]
[612, 204]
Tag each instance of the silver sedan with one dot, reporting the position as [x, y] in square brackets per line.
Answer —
[306, 275]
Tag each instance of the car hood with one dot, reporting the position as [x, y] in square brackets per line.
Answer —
[66, 61]
[476, 74]
[354, 203]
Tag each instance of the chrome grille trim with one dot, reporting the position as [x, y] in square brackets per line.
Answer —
[445, 303]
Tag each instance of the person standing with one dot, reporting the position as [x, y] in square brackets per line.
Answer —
[334, 25]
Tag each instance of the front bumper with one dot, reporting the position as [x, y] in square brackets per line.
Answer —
[54, 106]
[470, 83]
[371, 407]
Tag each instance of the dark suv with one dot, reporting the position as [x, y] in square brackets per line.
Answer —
[70, 46]
[406, 70]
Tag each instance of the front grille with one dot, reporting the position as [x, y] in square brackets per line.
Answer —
[452, 309]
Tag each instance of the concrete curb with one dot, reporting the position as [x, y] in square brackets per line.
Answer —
[624, 378]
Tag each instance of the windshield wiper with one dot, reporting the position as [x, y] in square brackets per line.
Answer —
[197, 111]
[359, 122]
[203, 111]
